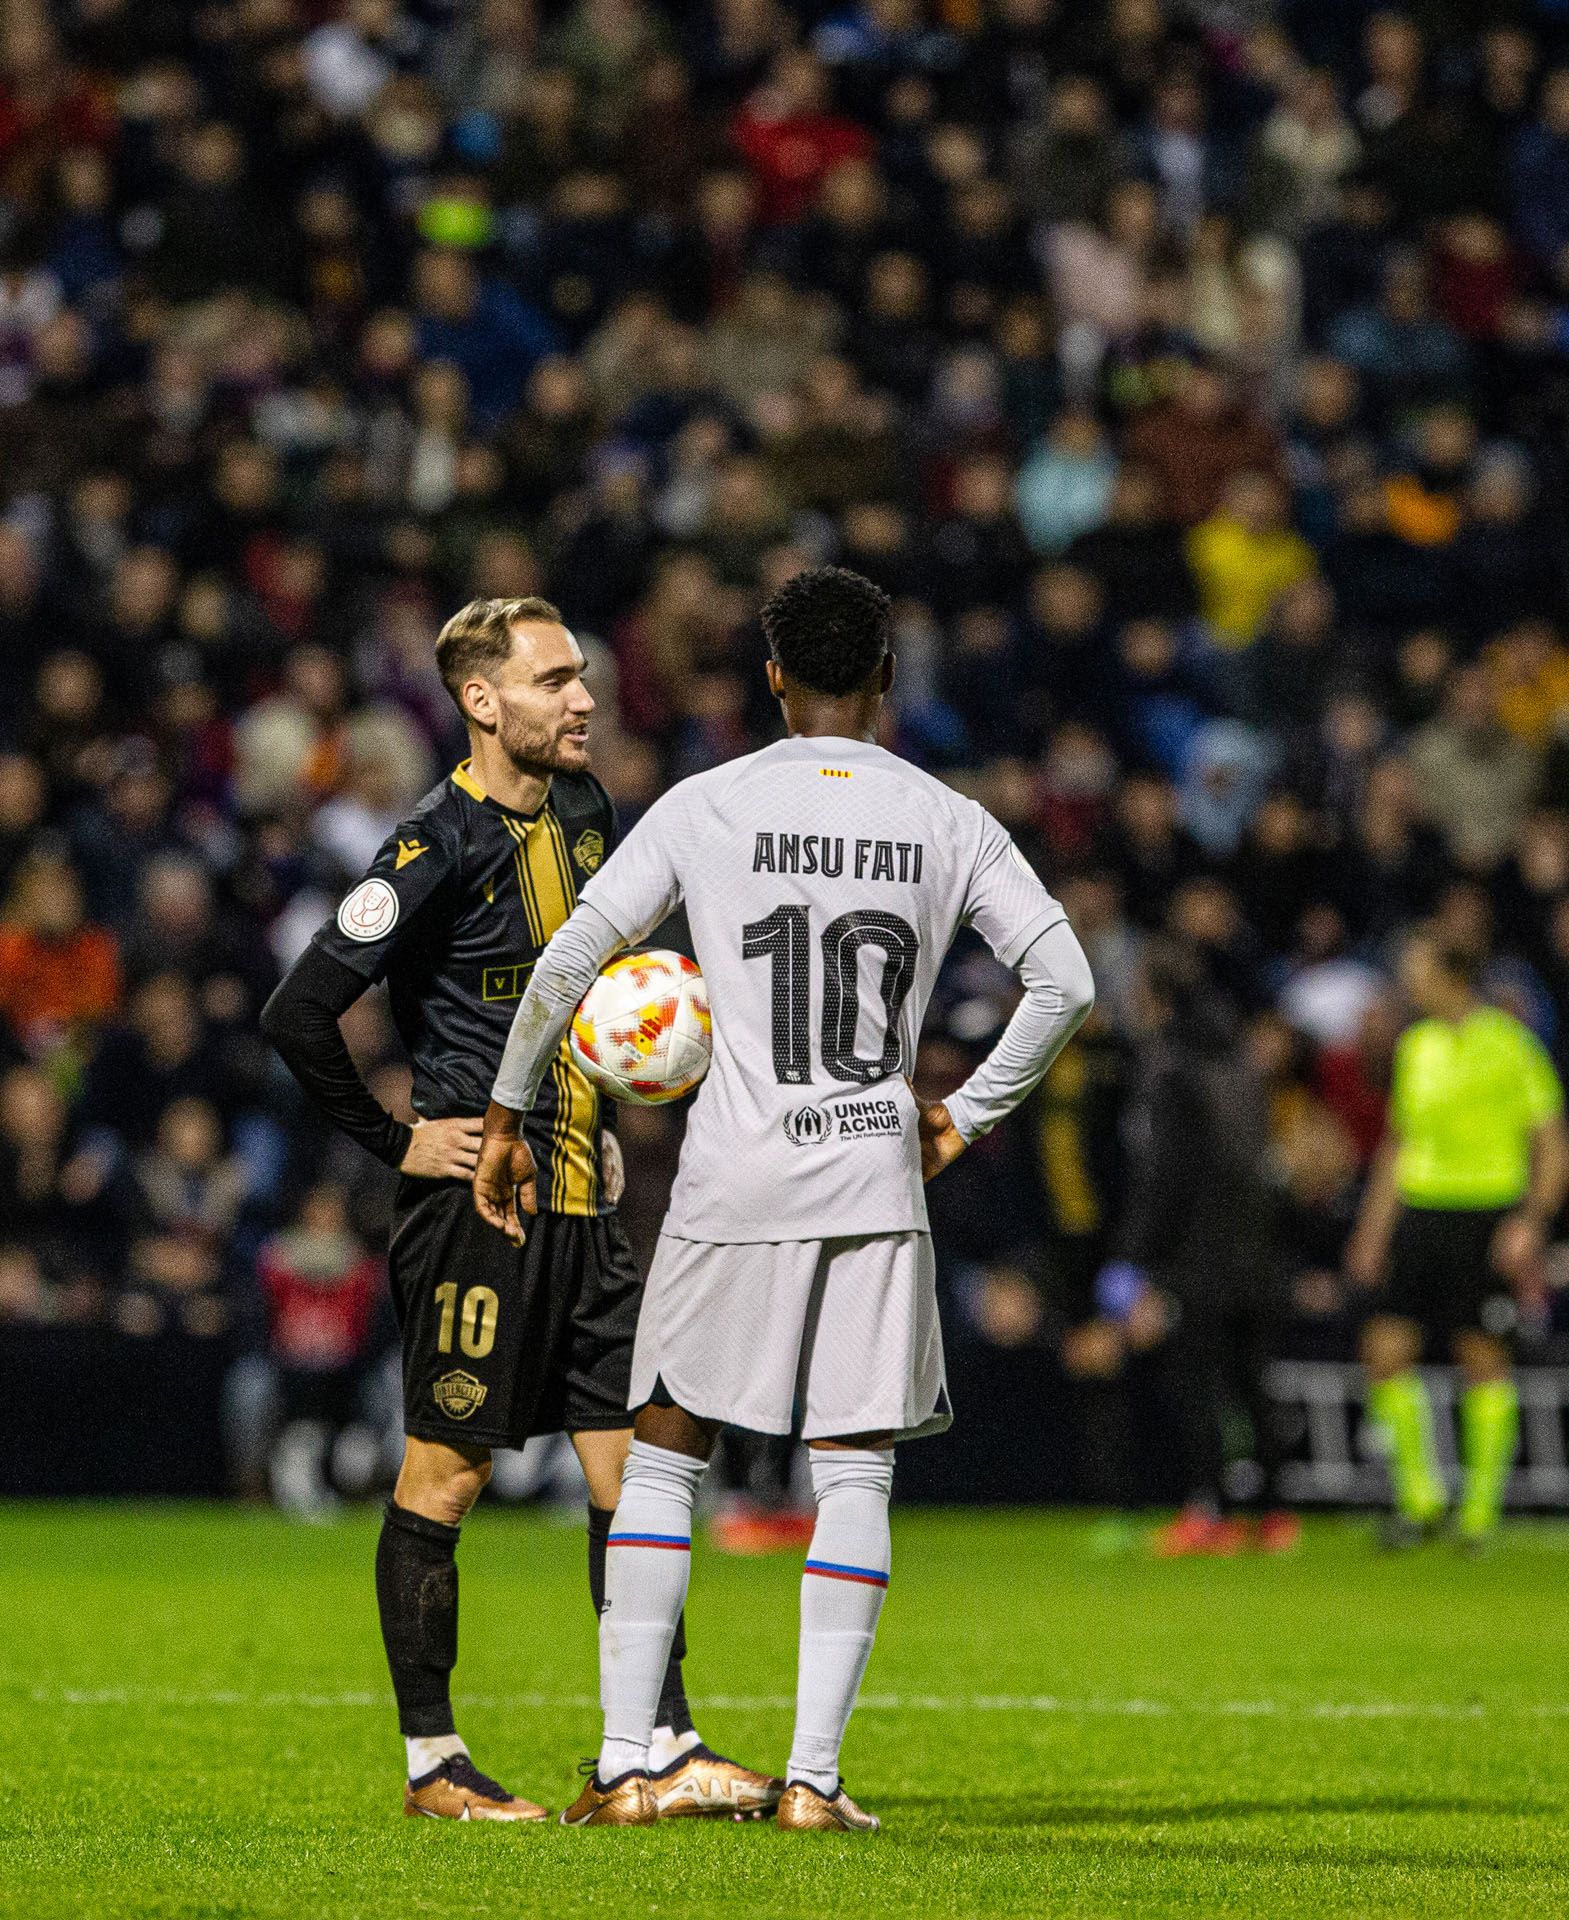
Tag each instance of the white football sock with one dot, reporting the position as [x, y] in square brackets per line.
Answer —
[667, 1746]
[842, 1590]
[648, 1561]
[426, 1752]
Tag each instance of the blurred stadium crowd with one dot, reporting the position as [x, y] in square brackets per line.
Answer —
[1192, 372]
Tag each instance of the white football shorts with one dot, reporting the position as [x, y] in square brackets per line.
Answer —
[847, 1329]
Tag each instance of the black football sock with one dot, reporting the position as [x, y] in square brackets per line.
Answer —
[599, 1519]
[417, 1597]
[673, 1711]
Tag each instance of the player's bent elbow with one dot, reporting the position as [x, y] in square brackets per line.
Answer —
[275, 1020]
[1077, 985]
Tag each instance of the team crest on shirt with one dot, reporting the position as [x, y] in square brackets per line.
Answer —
[589, 850]
[369, 912]
[459, 1394]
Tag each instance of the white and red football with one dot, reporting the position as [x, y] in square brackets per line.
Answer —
[644, 1032]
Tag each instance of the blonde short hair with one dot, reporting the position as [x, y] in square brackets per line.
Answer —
[478, 638]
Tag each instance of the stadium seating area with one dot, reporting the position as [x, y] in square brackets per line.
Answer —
[1195, 376]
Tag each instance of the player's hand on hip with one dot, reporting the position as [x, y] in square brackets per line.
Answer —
[504, 1185]
[615, 1180]
[443, 1149]
[941, 1140]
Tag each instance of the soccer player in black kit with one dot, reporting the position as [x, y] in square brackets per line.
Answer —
[499, 1342]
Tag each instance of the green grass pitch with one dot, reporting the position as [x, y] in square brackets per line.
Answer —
[194, 1720]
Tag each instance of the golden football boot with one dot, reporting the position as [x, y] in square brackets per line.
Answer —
[802, 1809]
[629, 1802]
[457, 1790]
[703, 1785]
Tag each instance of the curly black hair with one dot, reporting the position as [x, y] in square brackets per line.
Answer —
[828, 628]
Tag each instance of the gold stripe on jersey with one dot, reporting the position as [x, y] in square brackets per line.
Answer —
[577, 1107]
[579, 1097]
[545, 884]
[580, 1164]
[523, 866]
[547, 910]
[551, 888]
[536, 932]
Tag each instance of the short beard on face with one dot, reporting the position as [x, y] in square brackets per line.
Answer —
[531, 749]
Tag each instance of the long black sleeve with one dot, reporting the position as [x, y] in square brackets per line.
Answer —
[301, 1021]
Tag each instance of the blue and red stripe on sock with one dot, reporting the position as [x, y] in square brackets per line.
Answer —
[671, 1542]
[834, 1570]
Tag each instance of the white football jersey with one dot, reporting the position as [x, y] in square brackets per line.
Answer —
[824, 880]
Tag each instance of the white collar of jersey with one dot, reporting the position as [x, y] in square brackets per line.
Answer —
[825, 746]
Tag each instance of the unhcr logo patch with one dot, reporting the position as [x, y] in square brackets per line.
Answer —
[806, 1126]
[858, 1120]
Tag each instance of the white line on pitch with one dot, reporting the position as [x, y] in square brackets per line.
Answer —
[1024, 1703]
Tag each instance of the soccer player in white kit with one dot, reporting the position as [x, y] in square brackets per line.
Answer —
[824, 880]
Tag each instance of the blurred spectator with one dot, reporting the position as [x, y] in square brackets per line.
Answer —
[1227, 767]
[1473, 778]
[1311, 143]
[1136, 555]
[23, 796]
[481, 326]
[1244, 557]
[1408, 355]
[182, 1202]
[792, 138]
[59, 974]
[388, 768]
[321, 1289]
[1205, 1247]
[159, 1053]
[1198, 441]
[1065, 486]
[1528, 666]
[33, 1206]
[1328, 992]
[1353, 1076]
[1539, 175]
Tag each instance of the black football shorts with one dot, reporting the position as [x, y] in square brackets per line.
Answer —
[500, 1342]
[1441, 1274]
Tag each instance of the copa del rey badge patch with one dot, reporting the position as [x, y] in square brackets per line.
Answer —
[370, 911]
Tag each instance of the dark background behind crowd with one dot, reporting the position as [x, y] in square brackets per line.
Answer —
[1194, 377]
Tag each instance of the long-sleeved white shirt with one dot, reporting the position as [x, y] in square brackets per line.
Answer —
[824, 880]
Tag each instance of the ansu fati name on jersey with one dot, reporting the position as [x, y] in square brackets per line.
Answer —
[825, 853]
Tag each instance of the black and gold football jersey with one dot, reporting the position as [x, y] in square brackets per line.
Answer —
[453, 913]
